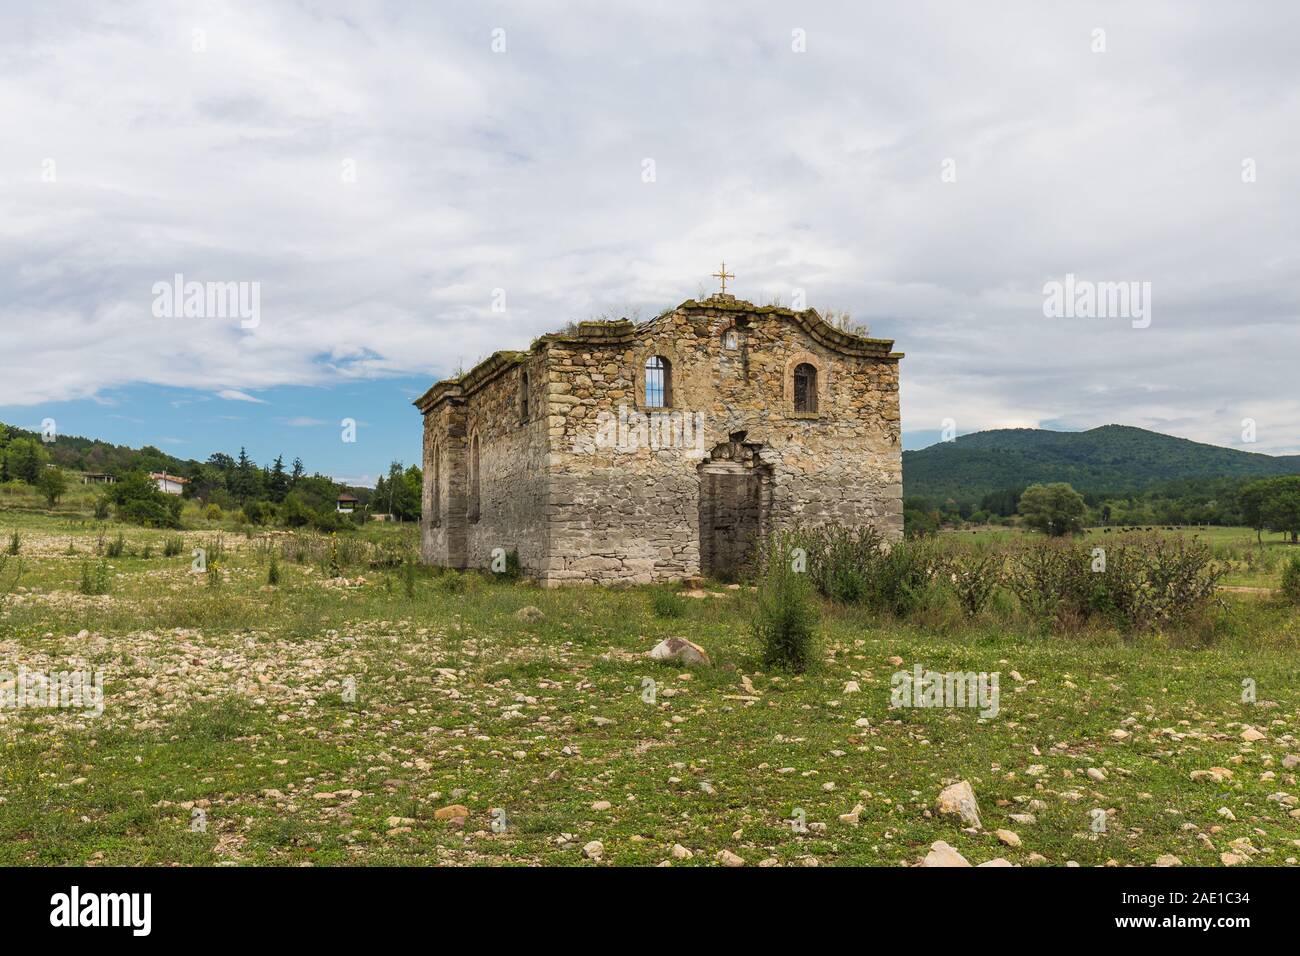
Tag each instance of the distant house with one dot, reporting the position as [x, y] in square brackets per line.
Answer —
[97, 478]
[347, 504]
[170, 484]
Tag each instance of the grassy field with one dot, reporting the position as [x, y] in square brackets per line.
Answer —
[233, 698]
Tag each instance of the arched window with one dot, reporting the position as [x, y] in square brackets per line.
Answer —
[805, 388]
[523, 397]
[473, 481]
[658, 382]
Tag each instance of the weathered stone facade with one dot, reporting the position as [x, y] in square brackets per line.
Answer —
[553, 452]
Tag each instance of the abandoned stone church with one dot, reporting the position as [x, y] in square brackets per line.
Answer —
[619, 452]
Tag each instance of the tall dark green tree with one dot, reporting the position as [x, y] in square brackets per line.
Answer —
[246, 481]
[277, 482]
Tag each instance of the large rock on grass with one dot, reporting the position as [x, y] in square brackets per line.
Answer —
[959, 800]
[681, 650]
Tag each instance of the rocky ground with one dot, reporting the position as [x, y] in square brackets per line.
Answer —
[366, 718]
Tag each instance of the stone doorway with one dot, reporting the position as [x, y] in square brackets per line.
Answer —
[735, 504]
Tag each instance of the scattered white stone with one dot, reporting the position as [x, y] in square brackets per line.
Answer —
[601, 805]
[594, 850]
[1251, 734]
[1214, 774]
[959, 800]
[681, 853]
[1009, 837]
[942, 855]
[529, 613]
[852, 687]
[727, 858]
[1168, 859]
[680, 650]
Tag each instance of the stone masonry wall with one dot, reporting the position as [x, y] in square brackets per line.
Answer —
[597, 488]
[511, 494]
[623, 510]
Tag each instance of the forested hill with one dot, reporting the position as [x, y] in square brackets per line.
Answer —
[1113, 459]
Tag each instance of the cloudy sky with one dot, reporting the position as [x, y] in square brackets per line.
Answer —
[387, 172]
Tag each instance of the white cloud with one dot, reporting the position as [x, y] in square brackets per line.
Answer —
[522, 171]
[234, 395]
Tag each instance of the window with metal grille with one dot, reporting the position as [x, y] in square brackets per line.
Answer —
[658, 382]
[805, 388]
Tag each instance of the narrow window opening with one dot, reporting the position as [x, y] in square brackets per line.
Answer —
[658, 382]
[805, 388]
[473, 481]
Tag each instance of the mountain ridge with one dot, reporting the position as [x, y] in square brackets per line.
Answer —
[1109, 459]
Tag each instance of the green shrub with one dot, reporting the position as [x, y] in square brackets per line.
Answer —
[213, 512]
[95, 581]
[666, 602]
[15, 543]
[102, 506]
[1051, 578]
[1291, 579]
[173, 545]
[974, 576]
[841, 560]
[140, 502]
[902, 577]
[785, 617]
[454, 582]
[273, 572]
[116, 547]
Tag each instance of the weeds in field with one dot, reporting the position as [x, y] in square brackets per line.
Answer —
[95, 581]
[273, 571]
[214, 549]
[116, 547]
[785, 616]
[10, 572]
[665, 602]
[1291, 580]
[15, 543]
[974, 575]
[173, 545]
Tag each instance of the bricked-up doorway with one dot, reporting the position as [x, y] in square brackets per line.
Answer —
[735, 504]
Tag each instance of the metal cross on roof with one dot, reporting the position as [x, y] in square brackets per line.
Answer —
[724, 275]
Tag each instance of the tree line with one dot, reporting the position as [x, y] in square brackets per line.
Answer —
[273, 493]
